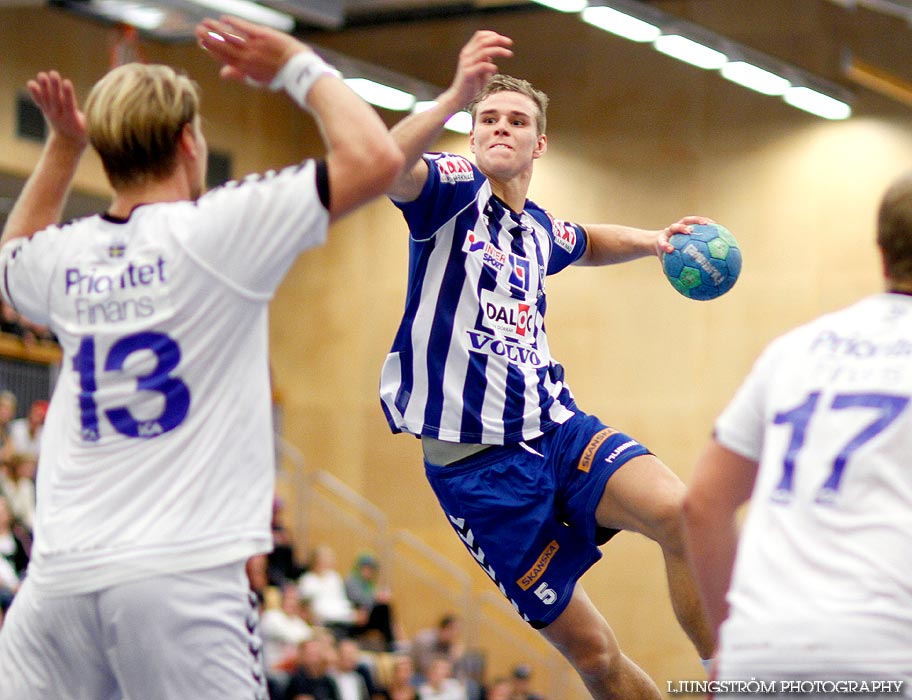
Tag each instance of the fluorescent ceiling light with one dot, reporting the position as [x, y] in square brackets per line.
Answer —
[623, 25]
[461, 123]
[251, 11]
[817, 103]
[144, 17]
[564, 5]
[755, 78]
[382, 95]
[690, 51]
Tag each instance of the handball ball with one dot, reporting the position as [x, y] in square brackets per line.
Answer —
[705, 264]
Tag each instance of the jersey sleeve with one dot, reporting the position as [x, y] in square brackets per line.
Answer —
[26, 266]
[452, 184]
[568, 240]
[252, 230]
[740, 427]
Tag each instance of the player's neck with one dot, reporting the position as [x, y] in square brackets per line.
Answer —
[511, 192]
[900, 289]
[170, 189]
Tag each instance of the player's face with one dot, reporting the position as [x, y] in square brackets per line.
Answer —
[505, 137]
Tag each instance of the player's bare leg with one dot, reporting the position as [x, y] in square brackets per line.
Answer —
[645, 496]
[581, 634]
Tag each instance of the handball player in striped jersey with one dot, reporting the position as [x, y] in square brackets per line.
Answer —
[531, 483]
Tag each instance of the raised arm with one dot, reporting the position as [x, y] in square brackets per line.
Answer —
[44, 195]
[417, 133]
[362, 158]
[612, 243]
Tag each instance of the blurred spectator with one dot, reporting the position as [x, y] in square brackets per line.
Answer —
[440, 683]
[350, 682]
[14, 547]
[372, 600]
[310, 679]
[283, 561]
[29, 333]
[9, 585]
[500, 689]
[25, 433]
[322, 586]
[282, 629]
[444, 640]
[17, 482]
[8, 404]
[9, 320]
[401, 684]
[13, 555]
[522, 684]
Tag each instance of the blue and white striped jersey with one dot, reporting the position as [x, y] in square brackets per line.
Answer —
[470, 362]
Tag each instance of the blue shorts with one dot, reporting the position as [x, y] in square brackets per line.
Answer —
[526, 512]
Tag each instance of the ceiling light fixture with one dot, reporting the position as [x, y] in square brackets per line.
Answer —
[564, 5]
[252, 11]
[815, 102]
[690, 51]
[755, 78]
[381, 95]
[623, 25]
[698, 46]
[461, 122]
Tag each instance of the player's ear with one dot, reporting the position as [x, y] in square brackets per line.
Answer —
[189, 140]
[472, 140]
[540, 147]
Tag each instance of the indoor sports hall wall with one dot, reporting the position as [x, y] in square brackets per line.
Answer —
[633, 138]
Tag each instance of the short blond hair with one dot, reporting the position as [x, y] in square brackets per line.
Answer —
[894, 230]
[507, 83]
[134, 118]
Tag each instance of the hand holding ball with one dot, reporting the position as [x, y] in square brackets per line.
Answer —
[705, 264]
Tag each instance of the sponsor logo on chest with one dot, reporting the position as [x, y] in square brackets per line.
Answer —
[491, 255]
[510, 317]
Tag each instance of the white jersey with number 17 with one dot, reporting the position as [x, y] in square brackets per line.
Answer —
[158, 450]
[822, 571]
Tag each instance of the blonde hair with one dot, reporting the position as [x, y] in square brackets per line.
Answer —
[894, 230]
[134, 118]
[507, 83]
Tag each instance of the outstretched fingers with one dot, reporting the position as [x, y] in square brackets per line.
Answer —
[56, 99]
[682, 226]
[478, 61]
[246, 50]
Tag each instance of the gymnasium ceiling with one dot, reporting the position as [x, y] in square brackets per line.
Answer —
[864, 46]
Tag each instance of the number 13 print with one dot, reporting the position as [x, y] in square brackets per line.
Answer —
[175, 392]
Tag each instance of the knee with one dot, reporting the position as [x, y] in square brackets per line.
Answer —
[667, 523]
[594, 653]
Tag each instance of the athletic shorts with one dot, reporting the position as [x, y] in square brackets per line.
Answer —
[168, 637]
[526, 512]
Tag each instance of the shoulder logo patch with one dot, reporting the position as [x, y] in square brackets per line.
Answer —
[454, 169]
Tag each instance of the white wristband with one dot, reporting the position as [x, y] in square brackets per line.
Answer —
[299, 74]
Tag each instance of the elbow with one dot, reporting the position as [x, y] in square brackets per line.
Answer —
[376, 166]
[387, 162]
